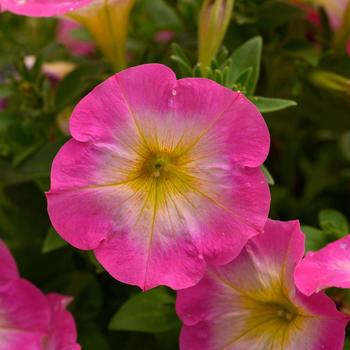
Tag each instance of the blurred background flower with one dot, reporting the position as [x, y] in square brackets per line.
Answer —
[73, 36]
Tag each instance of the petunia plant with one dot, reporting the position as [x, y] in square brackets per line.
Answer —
[140, 164]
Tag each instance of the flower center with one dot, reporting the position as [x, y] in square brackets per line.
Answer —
[157, 165]
[283, 310]
[286, 314]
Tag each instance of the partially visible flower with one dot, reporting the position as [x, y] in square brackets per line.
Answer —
[162, 176]
[252, 302]
[55, 70]
[67, 35]
[58, 69]
[338, 12]
[335, 10]
[214, 19]
[42, 8]
[328, 267]
[107, 20]
[62, 331]
[28, 318]
[164, 36]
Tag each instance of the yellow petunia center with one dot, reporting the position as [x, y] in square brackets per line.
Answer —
[283, 311]
[167, 173]
[157, 165]
[164, 171]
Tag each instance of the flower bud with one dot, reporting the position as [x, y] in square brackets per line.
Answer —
[214, 19]
[330, 81]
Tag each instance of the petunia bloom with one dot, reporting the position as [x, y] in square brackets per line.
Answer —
[328, 267]
[28, 318]
[42, 8]
[67, 35]
[252, 302]
[162, 176]
[338, 12]
[107, 20]
[55, 70]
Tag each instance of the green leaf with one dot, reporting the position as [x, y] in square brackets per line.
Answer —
[275, 13]
[246, 56]
[75, 84]
[52, 241]
[150, 312]
[333, 222]
[270, 180]
[162, 14]
[267, 104]
[182, 60]
[91, 338]
[315, 238]
[243, 80]
[347, 344]
[98, 267]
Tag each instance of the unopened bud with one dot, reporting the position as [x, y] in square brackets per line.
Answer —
[214, 19]
[330, 81]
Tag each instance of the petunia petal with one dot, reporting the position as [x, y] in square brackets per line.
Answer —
[62, 332]
[42, 8]
[238, 213]
[23, 307]
[8, 267]
[328, 267]
[227, 117]
[121, 100]
[171, 261]
[20, 339]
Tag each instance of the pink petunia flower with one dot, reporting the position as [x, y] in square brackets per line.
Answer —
[66, 36]
[43, 8]
[334, 8]
[29, 320]
[164, 36]
[161, 177]
[252, 302]
[328, 267]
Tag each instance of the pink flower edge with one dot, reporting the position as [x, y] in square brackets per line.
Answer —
[42, 8]
[29, 319]
[327, 267]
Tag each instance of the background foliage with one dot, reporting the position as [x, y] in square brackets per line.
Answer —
[309, 161]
